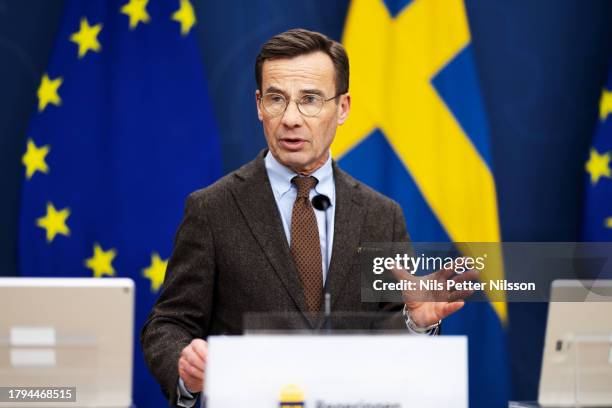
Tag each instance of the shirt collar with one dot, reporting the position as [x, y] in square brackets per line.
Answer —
[280, 177]
[325, 175]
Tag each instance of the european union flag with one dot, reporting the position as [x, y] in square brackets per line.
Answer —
[598, 204]
[123, 131]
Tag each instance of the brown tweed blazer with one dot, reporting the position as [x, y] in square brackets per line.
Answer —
[231, 257]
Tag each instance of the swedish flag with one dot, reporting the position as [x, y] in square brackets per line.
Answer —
[122, 132]
[418, 133]
[598, 204]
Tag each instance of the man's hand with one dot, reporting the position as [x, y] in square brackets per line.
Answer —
[192, 365]
[427, 307]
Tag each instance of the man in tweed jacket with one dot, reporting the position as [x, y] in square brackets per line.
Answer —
[233, 253]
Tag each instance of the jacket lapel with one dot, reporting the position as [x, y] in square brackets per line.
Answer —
[348, 221]
[254, 197]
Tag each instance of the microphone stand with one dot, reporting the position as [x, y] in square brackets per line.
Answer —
[322, 203]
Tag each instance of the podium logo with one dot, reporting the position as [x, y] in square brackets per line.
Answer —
[291, 396]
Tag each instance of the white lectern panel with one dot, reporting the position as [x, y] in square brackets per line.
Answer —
[337, 370]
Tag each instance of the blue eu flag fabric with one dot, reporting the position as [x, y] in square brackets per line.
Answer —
[598, 203]
[122, 132]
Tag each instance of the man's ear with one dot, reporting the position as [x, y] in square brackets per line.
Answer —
[344, 108]
[259, 112]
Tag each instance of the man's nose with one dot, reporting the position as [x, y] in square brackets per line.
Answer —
[292, 116]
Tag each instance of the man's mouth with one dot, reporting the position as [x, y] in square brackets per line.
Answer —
[292, 143]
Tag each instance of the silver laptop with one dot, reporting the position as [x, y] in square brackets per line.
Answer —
[577, 363]
[67, 332]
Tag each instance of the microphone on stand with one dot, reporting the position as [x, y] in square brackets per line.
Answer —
[322, 203]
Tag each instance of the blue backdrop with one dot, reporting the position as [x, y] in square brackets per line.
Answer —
[541, 67]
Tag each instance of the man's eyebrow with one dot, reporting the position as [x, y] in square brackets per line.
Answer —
[273, 89]
[309, 91]
[312, 92]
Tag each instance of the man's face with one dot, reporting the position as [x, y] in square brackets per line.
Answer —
[297, 141]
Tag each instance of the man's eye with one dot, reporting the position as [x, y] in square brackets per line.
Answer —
[276, 98]
[309, 99]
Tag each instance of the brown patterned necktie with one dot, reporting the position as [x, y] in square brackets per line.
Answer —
[305, 245]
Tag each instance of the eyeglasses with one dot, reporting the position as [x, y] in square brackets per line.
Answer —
[309, 105]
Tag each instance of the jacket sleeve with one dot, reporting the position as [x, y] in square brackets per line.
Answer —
[182, 311]
[400, 234]
[393, 312]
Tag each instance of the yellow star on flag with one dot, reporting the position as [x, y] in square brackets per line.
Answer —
[185, 16]
[156, 271]
[598, 166]
[605, 104]
[54, 222]
[87, 37]
[47, 92]
[101, 262]
[137, 11]
[609, 222]
[34, 159]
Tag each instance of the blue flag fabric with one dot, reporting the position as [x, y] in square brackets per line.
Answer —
[123, 131]
[598, 203]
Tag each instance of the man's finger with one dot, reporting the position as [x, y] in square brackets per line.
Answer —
[444, 274]
[420, 296]
[192, 384]
[201, 348]
[200, 367]
[190, 354]
[451, 307]
[401, 274]
[195, 373]
[471, 275]
[460, 295]
[190, 370]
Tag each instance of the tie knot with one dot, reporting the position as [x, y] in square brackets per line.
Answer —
[304, 185]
